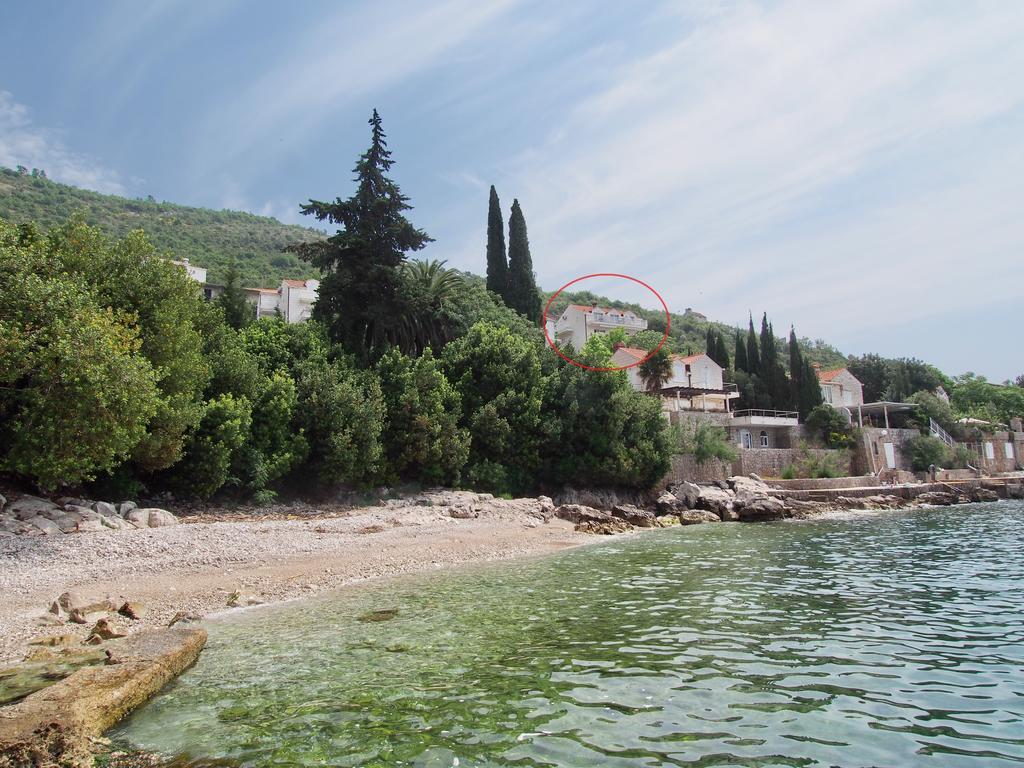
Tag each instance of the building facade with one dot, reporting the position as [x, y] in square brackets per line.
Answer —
[579, 322]
[840, 388]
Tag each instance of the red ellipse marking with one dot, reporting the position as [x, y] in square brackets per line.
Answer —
[577, 363]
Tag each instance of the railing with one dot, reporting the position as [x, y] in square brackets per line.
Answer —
[937, 431]
[766, 414]
[731, 388]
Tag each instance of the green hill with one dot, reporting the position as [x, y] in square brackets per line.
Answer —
[206, 237]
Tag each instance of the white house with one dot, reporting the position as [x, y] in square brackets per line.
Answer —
[196, 273]
[840, 388]
[579, 322]
[696, 382]
[293, 300]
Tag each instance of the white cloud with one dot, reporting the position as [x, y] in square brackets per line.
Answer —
[347, 56]
[799, 157]
[22, 143]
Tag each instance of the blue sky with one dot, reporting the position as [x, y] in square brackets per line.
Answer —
[855, 168]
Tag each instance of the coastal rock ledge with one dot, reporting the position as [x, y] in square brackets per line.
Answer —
[56, 725]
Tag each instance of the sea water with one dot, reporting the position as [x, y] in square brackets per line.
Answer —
[886, 639]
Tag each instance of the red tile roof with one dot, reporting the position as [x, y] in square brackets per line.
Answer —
[827, 376]
[639, 354]
[606, 310]
[295, 283]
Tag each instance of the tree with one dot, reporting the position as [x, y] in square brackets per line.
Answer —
[129, 277]
[75, 391]
[740, 357]
[360, 297]
[809, 396]
[238, 312]
[829, 427]
[209, 450]
[497, 261]
[924, 451]
[422, 437]
[872, 371]
[522, 284]
[429, 287]
[498, 377]
[753, 353]
[656, 370]
[723, 352]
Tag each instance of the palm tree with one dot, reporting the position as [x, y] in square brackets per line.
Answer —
[656, 370]
[430, 285]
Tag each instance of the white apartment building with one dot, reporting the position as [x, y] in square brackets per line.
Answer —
[579, 322]
[696, 383]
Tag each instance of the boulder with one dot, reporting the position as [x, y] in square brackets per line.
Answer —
[55, 641]
[84, 513]
[28, 507]
[125, 507]
[104, 631]
[983, 494]
[67, 521]
[756, 505]
[138, 517]
[641, 518]
[667, 503]
[105, 508]
[578, 513]
[687, 493]
[86, 603]
[183, 617]
[715, 500]
[666, 521]
[937, 498]
[48, 527]
[158, 518]
[10, 524]
[90, 526]
[133, 610]
[115, 523]
[752, 484]
[694, 516]
[607, 527]
[463, 512]
[77, 617]
[546, 507]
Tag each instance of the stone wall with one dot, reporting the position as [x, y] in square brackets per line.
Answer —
[999, 452]
[687, 468]
[819, 483]
[872, 459]
[770, 462]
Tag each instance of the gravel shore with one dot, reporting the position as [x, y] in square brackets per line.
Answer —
[197, 566]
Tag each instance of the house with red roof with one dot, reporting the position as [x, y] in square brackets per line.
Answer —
[840, 388]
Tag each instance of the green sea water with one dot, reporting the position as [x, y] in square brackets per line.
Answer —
[891, 639]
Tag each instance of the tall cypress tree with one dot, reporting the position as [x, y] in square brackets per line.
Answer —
[753, 354]
[709, 345]
[741, 352]
[522, 284]
[796, 367]
[360, 297]
[723, 352]
[810, 390]
[497, 262]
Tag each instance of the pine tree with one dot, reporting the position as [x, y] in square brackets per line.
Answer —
[360, 297]
[753, 354]
[238, 312]
[709, 345]
[497, 261]
[522, 285]
[741, 352]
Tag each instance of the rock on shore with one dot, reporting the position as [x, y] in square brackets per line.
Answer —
[35, 516]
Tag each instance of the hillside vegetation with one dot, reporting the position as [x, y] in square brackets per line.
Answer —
[206, 237]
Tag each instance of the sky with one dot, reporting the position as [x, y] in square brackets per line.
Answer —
[855, 168]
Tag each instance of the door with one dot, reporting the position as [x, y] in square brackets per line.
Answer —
[890, 455]
[745, 439]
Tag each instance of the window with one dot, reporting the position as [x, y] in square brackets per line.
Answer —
[764, 439]
[745, 439]
[990, 451]
[827, 393]
[1008, 450]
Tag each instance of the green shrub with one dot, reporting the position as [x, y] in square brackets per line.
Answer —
[925, 451]
[788, 472]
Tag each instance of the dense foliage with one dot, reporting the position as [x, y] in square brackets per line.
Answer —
[206, 237]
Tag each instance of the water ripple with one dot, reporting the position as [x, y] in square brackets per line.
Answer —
[889, 640]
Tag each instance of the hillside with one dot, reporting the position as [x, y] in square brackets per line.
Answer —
[210, 238]
[206, 237]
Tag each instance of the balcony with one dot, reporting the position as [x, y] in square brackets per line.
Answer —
[753, 417]
[600, 321]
